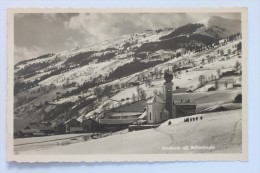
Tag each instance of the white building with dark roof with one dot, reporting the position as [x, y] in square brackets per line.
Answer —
[155, 110]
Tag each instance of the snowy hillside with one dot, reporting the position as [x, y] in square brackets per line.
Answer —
[191, 137]
[83, 81]
[219, 26]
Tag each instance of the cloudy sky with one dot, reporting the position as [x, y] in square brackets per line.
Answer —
[37, 34]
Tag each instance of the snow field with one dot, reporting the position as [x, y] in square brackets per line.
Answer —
[221, 130]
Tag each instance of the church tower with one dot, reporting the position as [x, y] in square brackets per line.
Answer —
[168, 94]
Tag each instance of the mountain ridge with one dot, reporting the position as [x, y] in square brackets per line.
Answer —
[88, 75]
[209, 21]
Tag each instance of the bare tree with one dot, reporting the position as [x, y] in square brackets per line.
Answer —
[148, 83]
[218, 72]
[213, 57]
[208, 58]
[139, 77]
[216, 83]
[175, 74]
[141, 93]
[203, 61]
[133, 97]
[174, 67]
[143, 77]
[202, 79]
[156, 71]
[221, 52]
[229, 51]
[212, 76]
[226, 84]
[237, 65]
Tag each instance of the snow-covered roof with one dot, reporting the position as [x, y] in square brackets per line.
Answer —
[143, 115]
[215, 108]
[117, 121]
[165, 111]
[155, 99]
[121, 114]
[237, 83]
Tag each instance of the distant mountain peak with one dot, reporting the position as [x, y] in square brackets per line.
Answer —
[222, 27]
[204, 21]
[216, 20]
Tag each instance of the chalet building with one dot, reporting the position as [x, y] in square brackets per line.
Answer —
[212, 88]
[73, 126]
[237, 84]
[238, 98]
[22, 128]
[189, 91]
[78, 129]
[228, 73]
[90, 125]
[182, 109]
[58, 127]
[113, 125]
[30, 131]
[180, 90]
[46, 129]
[121, 117]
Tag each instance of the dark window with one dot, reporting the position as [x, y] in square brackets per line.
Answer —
[150, 116]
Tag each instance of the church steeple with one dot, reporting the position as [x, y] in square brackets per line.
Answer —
[168, 93]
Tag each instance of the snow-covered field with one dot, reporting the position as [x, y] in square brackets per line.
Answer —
[216, 132]
[22, 141]
[23, 145]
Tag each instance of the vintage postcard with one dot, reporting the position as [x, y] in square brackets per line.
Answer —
[119, 85]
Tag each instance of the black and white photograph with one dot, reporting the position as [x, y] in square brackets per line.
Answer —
[163, 85]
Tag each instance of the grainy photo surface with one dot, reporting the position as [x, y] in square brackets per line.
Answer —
[127, 85]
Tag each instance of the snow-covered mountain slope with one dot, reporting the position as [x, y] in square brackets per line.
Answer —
[113, 68]
[219, 27]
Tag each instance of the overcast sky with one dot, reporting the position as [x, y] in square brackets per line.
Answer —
[37, 34]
